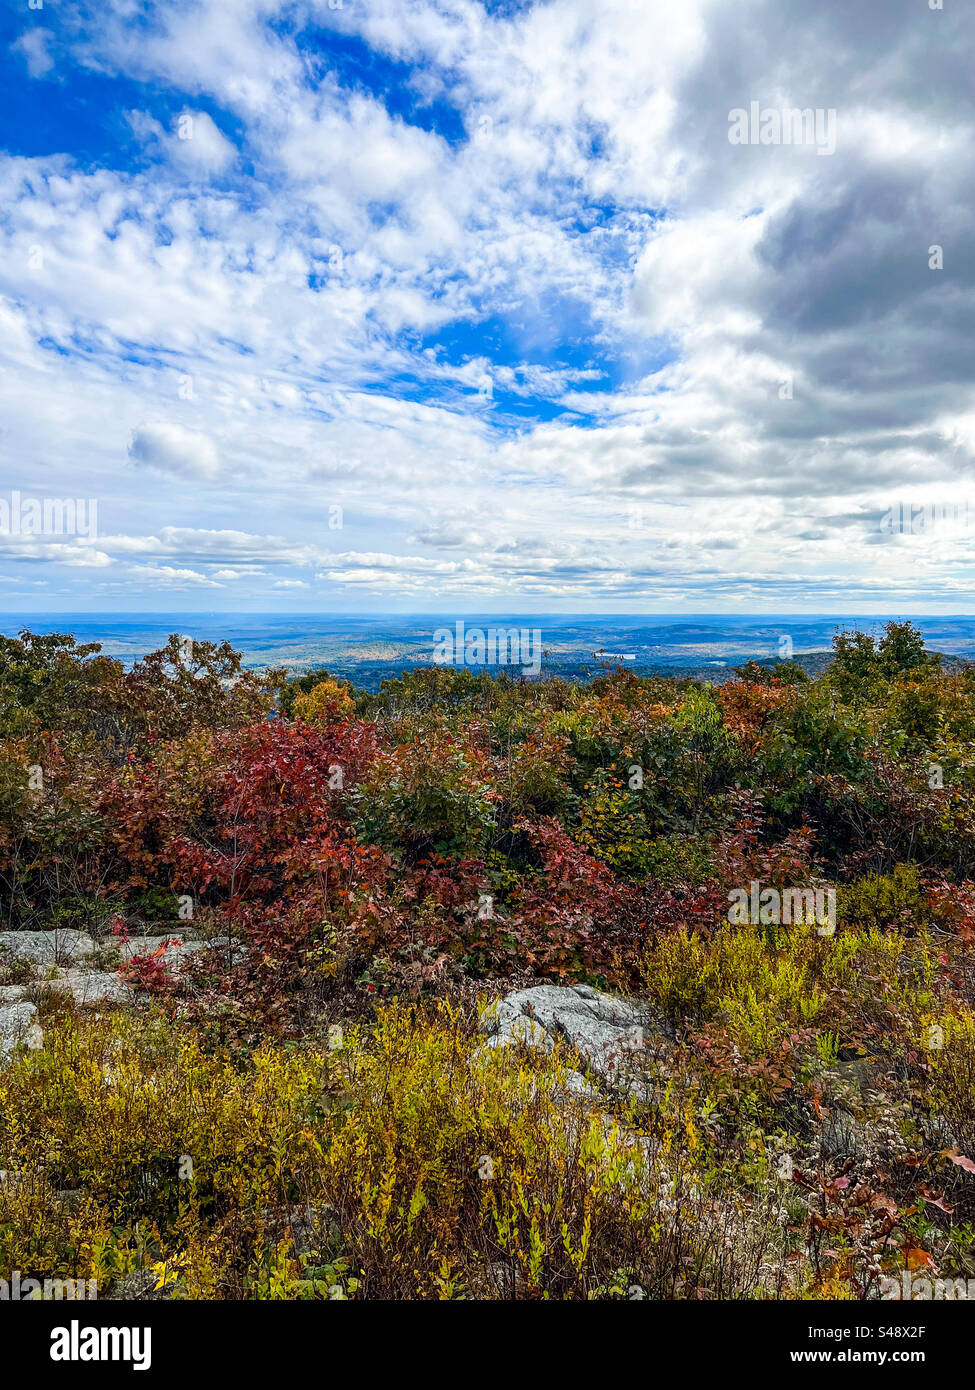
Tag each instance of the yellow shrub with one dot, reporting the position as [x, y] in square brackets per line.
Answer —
[426, 1165]
[328, 702]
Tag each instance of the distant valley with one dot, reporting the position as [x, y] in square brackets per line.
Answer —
[369, 650]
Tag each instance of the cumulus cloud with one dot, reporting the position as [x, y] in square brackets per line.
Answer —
[505, 294]
[39, 548]
[172, 448]
[168, 576]
[199, 146]
[449, 536]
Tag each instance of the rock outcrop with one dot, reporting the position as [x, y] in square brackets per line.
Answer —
[61, 961]
[57, 947]
[610, 1035]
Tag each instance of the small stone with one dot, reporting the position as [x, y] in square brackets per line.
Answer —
[139, 1286]
[18, 1024]
[842, 1135]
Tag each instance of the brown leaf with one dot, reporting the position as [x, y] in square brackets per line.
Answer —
[959, 1159]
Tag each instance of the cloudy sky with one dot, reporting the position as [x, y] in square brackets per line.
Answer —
[433, 305]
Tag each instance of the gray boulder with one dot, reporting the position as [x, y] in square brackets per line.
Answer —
[46, 947]
[608, 1033]
[178, 950]
[90, 987]
[18, 1024]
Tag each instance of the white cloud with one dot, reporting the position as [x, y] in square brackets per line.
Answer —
[38, 548]
[199, 146]
[34, 44]
[172, 448]
[169, 577]
[495, 346]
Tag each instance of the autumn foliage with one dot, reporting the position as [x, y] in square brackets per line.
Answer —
[368, 858]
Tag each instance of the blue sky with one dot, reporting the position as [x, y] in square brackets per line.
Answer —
[362, 306]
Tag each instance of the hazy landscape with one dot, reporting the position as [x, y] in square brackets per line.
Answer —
[370, 649]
